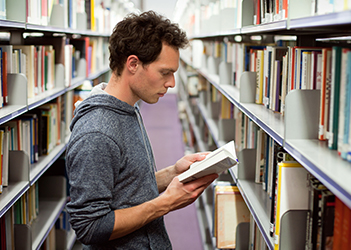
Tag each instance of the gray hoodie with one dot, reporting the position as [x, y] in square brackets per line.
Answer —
[110, 166]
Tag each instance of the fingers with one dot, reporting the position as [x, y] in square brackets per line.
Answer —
[202, 182]
[198, 156]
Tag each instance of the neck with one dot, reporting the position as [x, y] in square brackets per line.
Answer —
[119, 88]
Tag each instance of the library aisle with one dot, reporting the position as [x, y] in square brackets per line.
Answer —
[165, 133]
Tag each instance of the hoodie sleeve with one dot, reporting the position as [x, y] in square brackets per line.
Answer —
[90, 162]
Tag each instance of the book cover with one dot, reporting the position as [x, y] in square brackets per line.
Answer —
[5, 159]
[4, 77]
[278, 156]
[292, 192]
[277, 55]
[9, 50]
[325, 87]
[284, 82]
[334, 97]
[260, 155]
[346, 153]
[346, 228]
[327, 219]
[342, 98]
[313, 218]
[231, 210]
[259, 76]
[217, 161]
[29, 64]
[338, 221]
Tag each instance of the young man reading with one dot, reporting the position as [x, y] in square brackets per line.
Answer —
[117, 198]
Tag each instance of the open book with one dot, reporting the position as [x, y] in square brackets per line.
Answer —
[217, 161]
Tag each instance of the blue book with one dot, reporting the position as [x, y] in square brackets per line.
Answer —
[347, 109]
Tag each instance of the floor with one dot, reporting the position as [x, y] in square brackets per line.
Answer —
[165, 133]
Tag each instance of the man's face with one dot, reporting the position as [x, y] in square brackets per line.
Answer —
[153, 80]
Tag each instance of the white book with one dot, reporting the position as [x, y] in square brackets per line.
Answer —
[217, 161]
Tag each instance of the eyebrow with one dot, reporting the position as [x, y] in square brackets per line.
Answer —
[169, 69]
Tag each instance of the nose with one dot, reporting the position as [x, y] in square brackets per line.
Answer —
[171, 82]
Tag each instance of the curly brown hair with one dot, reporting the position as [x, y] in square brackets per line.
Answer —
[142, 35]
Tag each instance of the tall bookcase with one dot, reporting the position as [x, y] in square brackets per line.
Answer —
[57, 26]
[296, 130]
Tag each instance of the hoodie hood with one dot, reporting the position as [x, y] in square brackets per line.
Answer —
[99, 99]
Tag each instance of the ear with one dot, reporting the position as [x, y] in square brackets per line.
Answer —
[132, 63]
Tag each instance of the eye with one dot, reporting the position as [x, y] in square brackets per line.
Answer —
[165, 73]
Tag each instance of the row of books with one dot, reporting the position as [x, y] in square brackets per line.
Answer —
[79, 14]
[284, 181]
[36, 133]
[26, 211]
[270, 10]
[281, 69]
[211, 17]
[281, 177]
[26, 208]
[266, 11]
[37, 60]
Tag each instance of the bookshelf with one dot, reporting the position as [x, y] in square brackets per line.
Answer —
[24, 176]
[296, 130]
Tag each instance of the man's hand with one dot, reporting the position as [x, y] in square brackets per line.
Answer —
[184, 163]
[166, 175]
[180, 195]
[176, 196]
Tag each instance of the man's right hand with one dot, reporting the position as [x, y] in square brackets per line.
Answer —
[180, 195]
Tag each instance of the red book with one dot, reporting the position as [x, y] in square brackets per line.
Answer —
[285, 9]
[345, 233]
[338, 218]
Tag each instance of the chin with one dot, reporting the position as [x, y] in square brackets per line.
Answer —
[151, 101]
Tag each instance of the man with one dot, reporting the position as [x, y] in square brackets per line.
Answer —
[117, 199]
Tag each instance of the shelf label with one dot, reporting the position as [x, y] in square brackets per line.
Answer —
[14, 114]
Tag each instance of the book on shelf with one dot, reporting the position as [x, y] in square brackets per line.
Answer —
[29, 51]
[217, 161]
[313, 216]
[4, 71]
[273, 90]
[230, 211]
[342, 226]
[82, 45]
[325, 94]
[326, 230]
[343, 144]
[278, 154]
[259, 76]
[5, 152]
[260, 155]
[334, 97]
[292, 193]
[33, 135]
[16, 133]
